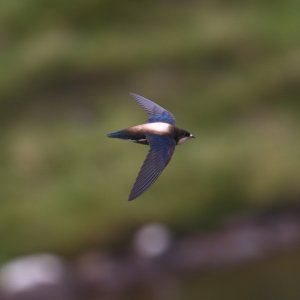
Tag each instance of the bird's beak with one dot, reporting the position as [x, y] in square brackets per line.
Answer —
[192, 136]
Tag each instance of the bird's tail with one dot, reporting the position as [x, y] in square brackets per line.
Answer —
[116, 134]
[125, 134]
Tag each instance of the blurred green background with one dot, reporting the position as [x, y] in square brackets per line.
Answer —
[228, 70]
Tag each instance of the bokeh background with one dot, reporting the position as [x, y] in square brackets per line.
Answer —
[222, 222]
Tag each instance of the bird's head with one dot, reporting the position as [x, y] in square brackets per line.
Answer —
[183, 136]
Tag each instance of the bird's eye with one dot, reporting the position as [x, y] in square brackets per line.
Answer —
[187, 134]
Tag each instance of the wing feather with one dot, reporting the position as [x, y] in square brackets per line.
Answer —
[159, 155]
[156, 112]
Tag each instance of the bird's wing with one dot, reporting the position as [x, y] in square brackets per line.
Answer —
[160, 153]
[156, 113]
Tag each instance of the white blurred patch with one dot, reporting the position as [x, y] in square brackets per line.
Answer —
[25, 273]
[152, 240]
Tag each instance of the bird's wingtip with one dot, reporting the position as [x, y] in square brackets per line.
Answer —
[134, 95]
[130, 198]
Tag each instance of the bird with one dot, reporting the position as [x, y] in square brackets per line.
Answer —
[161, 134]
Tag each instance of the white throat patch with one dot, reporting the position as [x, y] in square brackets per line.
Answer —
[183, 139]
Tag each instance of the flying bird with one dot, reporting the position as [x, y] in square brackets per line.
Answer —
[161, 134]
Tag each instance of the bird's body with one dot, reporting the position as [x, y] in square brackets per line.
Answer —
[161, 134]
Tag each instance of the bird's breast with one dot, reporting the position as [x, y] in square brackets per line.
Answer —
[158, 128]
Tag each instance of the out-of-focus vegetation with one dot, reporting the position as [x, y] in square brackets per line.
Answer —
[230, 72]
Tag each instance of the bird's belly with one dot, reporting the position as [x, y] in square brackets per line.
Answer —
[158, 128]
